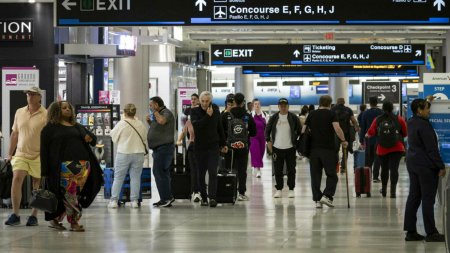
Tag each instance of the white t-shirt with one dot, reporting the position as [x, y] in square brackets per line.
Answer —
[283, 134]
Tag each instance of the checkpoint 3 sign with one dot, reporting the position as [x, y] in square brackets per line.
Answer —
[251, 12]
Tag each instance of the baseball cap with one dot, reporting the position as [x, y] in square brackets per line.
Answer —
[283, 100]
[34, 90]
[230, 98]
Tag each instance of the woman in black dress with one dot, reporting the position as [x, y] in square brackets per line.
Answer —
[68, 165]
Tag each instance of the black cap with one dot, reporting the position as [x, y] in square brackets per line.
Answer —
[239, 98]
[283, 100]
[230, 98]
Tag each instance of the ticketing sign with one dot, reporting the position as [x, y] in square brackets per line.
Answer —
[251, 12]
[318, 54]
[333, 71]
[384, 91]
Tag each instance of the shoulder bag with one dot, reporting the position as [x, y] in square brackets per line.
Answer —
[143, 143]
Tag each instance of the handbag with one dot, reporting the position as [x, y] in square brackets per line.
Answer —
[143, 143]
[44, 200]
[304, 143]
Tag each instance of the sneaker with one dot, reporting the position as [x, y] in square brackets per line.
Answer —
[318, 204]
[157, 204]
[414, 236]
[277, 194]
[326, 201]
[32, 221]
[167, 203]
[204, 202]
[242, 197]
[258, 174]
[212, 203]
[13, 220]
[291, 194]
[376, 180]
[196, 197]
[135, 204]
[113, 204]
[435, 237]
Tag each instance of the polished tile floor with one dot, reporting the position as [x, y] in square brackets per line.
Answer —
[263, 224]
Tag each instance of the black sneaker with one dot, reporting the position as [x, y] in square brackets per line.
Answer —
[414, 236]
[383, 193]
[157, 204]
[376, 180]
[435, 237]
[32, 221]
[13, 220]
[168, 203]
[212, 203]
[204, 202]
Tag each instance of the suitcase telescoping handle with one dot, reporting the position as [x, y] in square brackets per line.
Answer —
[344, 149]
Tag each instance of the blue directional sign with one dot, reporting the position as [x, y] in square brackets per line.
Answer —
[251, 12]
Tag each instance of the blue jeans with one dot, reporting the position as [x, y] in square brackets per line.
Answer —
[162, 161]
[124, 163]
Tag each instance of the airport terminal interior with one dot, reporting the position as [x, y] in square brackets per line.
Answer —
[100, 55]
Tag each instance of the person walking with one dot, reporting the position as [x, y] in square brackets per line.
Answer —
[160, 138]
[258, 142]
[130, 138]
[281, 135]
[24, 151]
[324, 126]
[425, 166]
[69, 166]
[390, 131]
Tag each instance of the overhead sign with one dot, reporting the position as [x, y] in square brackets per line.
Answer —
[318, 54]
[332, 71]
[384, 91]
[16, 30]
[251, 12]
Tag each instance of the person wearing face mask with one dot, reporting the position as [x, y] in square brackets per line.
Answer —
[425, 166]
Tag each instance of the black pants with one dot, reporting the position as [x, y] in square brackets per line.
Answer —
[372, 160]
[195, 184]
[389, 165]
[240, 161]
[279, 157]
[207, 160]
[423, 185]
[325, 159]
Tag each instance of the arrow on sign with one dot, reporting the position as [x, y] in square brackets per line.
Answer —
[217, 53]
[382, 97]
[439, 4]
[66, 4]
[418, 53]
[296, 53]
[200, 4]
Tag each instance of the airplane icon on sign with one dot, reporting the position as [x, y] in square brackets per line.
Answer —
[220, 12]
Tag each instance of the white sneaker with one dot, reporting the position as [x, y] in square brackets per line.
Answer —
[277, 194]
[318, 204]
[258, 173]
[242, 197]
[196, 197]
[326, 201]
[291, 194]
[113, 204]
[135, 204]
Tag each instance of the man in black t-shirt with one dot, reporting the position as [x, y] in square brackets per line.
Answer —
[324, 125]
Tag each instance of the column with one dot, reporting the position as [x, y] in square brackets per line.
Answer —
[203, 80]
[131, 77]
[338, 88]
[244, 84]
[446, 52]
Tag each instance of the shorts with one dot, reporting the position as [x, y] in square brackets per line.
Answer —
[32, 167]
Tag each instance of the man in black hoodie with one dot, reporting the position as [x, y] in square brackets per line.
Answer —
[209, 138]
[240, 152]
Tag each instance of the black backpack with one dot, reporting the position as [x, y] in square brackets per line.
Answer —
[237, 132]
[388, 131]
[343, 117]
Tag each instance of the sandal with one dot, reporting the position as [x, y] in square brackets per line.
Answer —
[57, 225]
[77, 228]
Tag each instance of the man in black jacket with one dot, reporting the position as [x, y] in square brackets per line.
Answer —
[281, 133]
[209, 138]
[239, 154]
[425, 166]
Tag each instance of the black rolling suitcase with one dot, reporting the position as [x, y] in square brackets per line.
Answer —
[180, 176]
[227, 184]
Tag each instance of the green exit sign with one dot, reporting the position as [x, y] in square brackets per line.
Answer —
[228, 52]
[87, 5]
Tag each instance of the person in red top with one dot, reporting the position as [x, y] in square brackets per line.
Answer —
[389, 156]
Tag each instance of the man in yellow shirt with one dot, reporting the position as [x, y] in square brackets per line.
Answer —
[25, 146]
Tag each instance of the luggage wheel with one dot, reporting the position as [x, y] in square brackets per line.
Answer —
[358, 195]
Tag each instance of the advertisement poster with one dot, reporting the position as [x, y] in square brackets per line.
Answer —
[114, 97]
[99, 120]
[103, 97]
[183, 105]
[437, 85]
[440, 119]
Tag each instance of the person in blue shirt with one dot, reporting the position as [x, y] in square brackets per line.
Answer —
[425, 166]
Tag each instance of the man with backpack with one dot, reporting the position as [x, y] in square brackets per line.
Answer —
[344, 115]
[282, 132]
[239, 126]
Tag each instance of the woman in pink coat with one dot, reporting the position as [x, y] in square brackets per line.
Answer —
[258, 143]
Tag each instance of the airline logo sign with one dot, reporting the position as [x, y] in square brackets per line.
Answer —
[16, 30]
